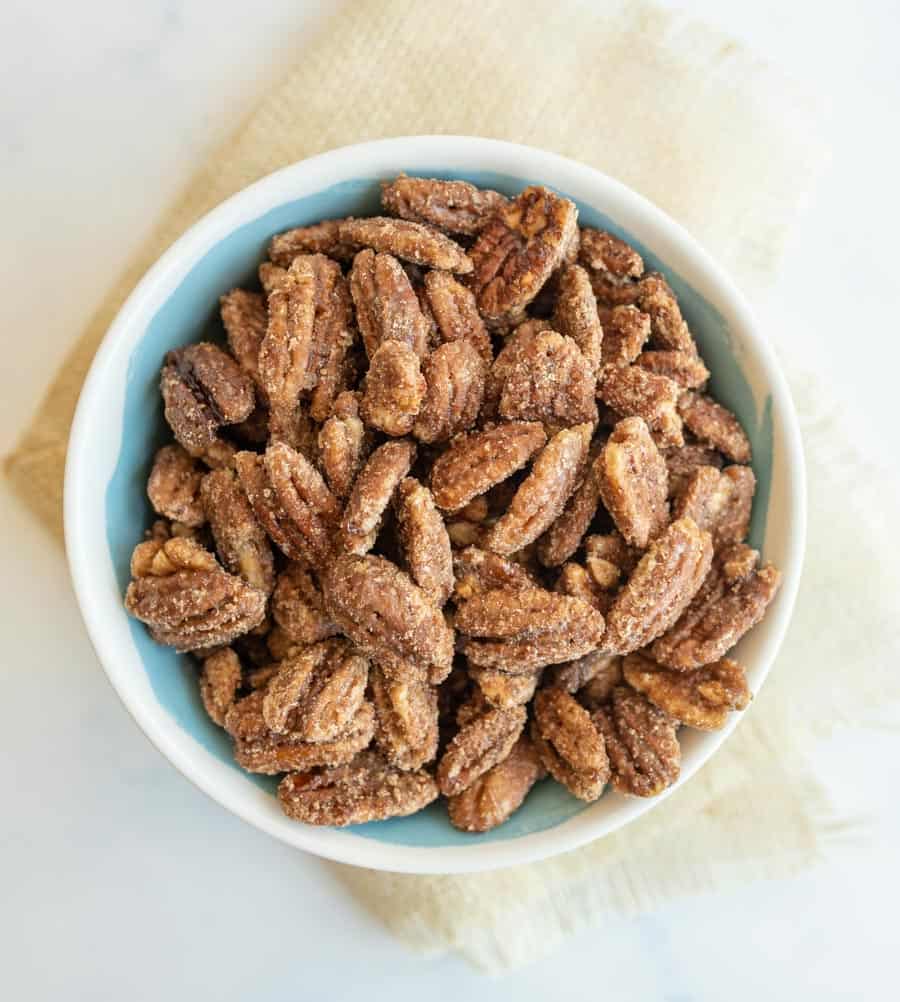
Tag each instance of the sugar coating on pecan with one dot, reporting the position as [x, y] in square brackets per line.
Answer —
[393, 390]
[576, 316]
[714, 425]
[577, 581]
[244, 318]
[371, 495]
[682, 367]
[424, 540]
[625, 331]
[220, 679]
[406, 715]
[319, 238]
[456, 314]
[454, 378]
[609, 559]
[573, 676]
[453, 206]
[564, 536]
[343, 442]
[477, 747]
[387, 307]
[667, 325]
[174, 486]
[410, 241]
[603, 252]
[477, 571]
[719, 501]
[635, 392]
[569, 745]
[503, 690]
[298, 606]
[684, 460]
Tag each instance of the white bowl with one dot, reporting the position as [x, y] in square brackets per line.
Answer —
[119, 422]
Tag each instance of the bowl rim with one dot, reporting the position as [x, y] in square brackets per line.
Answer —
[290, 182]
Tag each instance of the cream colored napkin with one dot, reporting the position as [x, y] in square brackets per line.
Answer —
[689, 119]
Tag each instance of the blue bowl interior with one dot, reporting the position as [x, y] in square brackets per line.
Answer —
[191, 314]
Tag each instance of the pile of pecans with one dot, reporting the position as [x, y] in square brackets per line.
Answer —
[452, 511]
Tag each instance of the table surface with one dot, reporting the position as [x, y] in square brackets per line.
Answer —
[115, 870]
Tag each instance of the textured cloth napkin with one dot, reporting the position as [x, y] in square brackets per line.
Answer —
[689, 119]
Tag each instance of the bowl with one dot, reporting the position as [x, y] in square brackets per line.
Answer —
[119, 424]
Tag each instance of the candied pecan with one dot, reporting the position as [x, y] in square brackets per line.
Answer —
[343, 443]
[465, 533]
[174, 486]
[243, 718]
[634, 392]
[738, 561]
[457, 318]
[203, 388]
[507, 360]
[453, 206]
[410, 241]
[564, 536]
[478, 570]
[385, 614]
[576, 314]
[576, 581]
[260, 677]
[371, 494]
[478, 746]
[424, 539]
[701, 698]
[367, 789]
[271, 276]
[597, 692]
[667, 325]
[540, 499]
[275, 753]
[682, 367]
[518, 249]
[722, 612]
[406, 714]
[241, 541]
[298, 606]
[497, 794]
[220, 679]
[719, 501]
[685, 460]
[186, 598]
[503, 690]
[625, 330]
[715, 425]
[608, 557]
[320, 238]
[279, 643]
[641, 743]
[393, 390]
[609, 256]
[476, 462]
[575, 675]
[633, 481]
[568, 744]
[244, 319]
[387, 308]
[660, 588]
[454, 377]
[550, 381]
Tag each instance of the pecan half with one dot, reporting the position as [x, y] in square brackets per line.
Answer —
[576, 316]
[543, 494]
[454, 377]
[368, 789]
[343, 443]
[185, 597]
[660, 588]
[203, 388]
[569, 745]
[298, 607]
[393, 390]
[453, 206]
[478, 571]
[577, 581]
[633, 482]
[271, 276]
[719, 502]
[634, 392]
[564, 536]
[244, 319]
[410, 241]
[683, 461]
[641, 743]
[518, 249]
[497, 794]
[371, 494]
[575, 675]
[320, 238]
[387, 308]
[598, 691]
[174, 486]
[406, 714]
[456, 314]
[701, 698]
[503, 690]
[220, 679]
[625, 331]
[476, 462]
[683, 367]
[667, 325]
[715, 425]
[424, 540]
[610, 258]
[478, 746]
[609, 559]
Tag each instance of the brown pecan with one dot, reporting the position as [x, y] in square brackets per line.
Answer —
[465, 533]
[518, 249]
[478, 570]
[476, 462]
[387, 308]
[410, 241]
[577, 581]
[719, 501]
[497, 794]
[385, 614]
[406, 714]
[424, 539]
[540, 499]
[243, 718]
[503, 690]
[271, 276]
[609, 559]
[367, 789]
[279, 643]
[633, 481]
[683, 367]
[455, 313]
[244, 319]
[564, 537]
[343, 443]
[575, 675]
[738, 561]
[220, 679]
[641, 743]
[454, 376]
[625, 331]
[186, 599]
[550, 381]
[174, 486]
[507, 360]
[597, 692]
[610, 257]
[453, 206]
[715, 425]
[722, 612]
[660, 588]
[575, 314]
[298, 607]
[320, 238]
[393, 390]
[701, 698]
[634, 392]
[478, 746]
[683, 461]
[203, 388]
[372, 493]
[569, 745]
[667, 325]
[241, 541]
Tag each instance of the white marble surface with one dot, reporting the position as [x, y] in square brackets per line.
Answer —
[118, 878]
